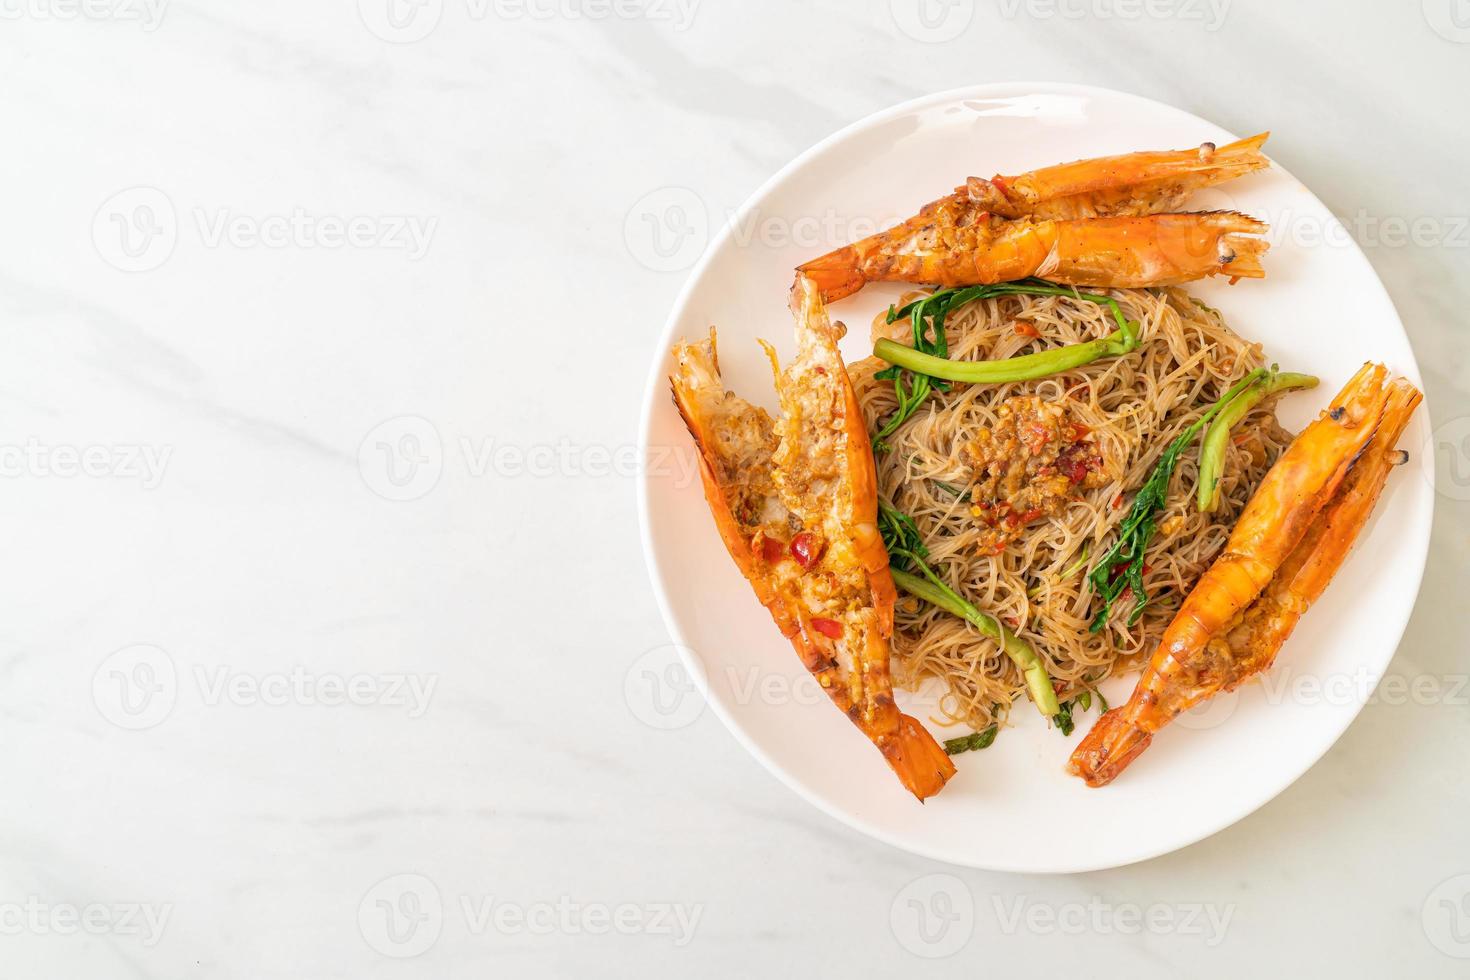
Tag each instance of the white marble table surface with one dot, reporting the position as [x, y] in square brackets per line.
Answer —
[325, 326]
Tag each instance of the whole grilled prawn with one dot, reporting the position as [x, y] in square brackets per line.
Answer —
[1109, 221]
[795, 500]
[1289, 542]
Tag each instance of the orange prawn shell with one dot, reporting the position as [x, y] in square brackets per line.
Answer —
[729, 528]
[866, 537]
[920, 762]
[1288, 543]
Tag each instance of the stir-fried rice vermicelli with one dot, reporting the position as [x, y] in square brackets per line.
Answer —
[1125, 411]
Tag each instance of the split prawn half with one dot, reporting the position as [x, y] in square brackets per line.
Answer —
[795, 499]
[1106, 222]
[1289, 542]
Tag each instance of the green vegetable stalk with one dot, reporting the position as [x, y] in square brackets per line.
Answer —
[1028, 367]
[906, 549]
[1121, 567]
[927, 361]
[1217, 436]
[971, 742]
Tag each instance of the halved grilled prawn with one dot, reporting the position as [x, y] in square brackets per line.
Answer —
[1288, 543]
[1107, 222]
[795, 500]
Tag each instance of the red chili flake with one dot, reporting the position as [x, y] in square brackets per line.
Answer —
[1074, 462]
[1240, 438]
[1026, 328]
[1080, 431]
[1118, 501]
[830, 628]
[772, 549]
[806, 549]
[1122, 566]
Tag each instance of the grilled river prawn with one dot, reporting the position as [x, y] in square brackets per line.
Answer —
[1285, 548]
[1108, 221]
[795, 500]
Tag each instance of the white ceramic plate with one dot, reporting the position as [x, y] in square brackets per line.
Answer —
[1011, 807]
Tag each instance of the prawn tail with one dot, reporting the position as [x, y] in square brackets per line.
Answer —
[837, 274]
[921, 763]
[1107, 750]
